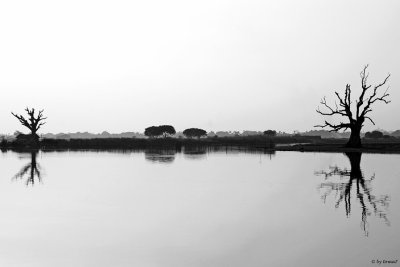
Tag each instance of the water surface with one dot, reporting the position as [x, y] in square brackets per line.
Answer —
[198, 208]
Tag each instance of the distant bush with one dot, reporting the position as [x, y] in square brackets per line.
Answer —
[374, 134]
[162, 130]
[194, 132]
[270, 133]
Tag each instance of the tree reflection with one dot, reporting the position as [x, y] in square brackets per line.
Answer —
[195, 152]
[30, 172]
[370, 204]
[160, 155]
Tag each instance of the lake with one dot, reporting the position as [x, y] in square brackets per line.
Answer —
[198, 208]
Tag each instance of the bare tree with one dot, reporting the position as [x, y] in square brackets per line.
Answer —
[363, 106]
[34, 122]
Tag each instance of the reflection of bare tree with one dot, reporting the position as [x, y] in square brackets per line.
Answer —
[31, 171]
[370, 204]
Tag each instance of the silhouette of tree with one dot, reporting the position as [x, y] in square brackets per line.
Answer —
[363, 190]
[194, 132]
[166, 130]
[162, 130]
[151, 131]
[34, 122]
[33, 170]
[361, 109]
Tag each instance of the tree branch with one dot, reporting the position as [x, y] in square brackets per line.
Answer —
[22, 120]
[335, 127]
[373, 98]
[332, 111]
[370, 120]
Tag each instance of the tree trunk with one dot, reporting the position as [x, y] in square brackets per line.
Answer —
[355, 139]
[355, 162]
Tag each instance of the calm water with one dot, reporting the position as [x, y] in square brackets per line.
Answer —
[199, 209]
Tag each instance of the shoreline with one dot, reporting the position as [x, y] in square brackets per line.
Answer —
[253, 143]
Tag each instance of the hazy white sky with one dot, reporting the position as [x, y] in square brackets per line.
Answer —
[218, 65]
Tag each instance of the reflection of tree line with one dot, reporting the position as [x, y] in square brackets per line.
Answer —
[31, 172]
[168, 155]
[370, 204]
[196, 152]
[160, 155]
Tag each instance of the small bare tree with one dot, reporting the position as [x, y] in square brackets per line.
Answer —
[362, 108]
[34, 122]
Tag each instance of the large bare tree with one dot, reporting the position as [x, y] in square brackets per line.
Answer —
[34, 122]
[363, 106]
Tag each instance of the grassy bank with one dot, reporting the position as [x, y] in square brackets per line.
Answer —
[142, 143]
[279, 143]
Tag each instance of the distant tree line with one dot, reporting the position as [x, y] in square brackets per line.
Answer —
[169, 130]
[34, 121]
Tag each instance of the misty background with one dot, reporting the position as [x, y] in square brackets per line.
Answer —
[121, 66]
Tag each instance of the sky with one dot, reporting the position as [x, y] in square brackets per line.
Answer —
[121, 66]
